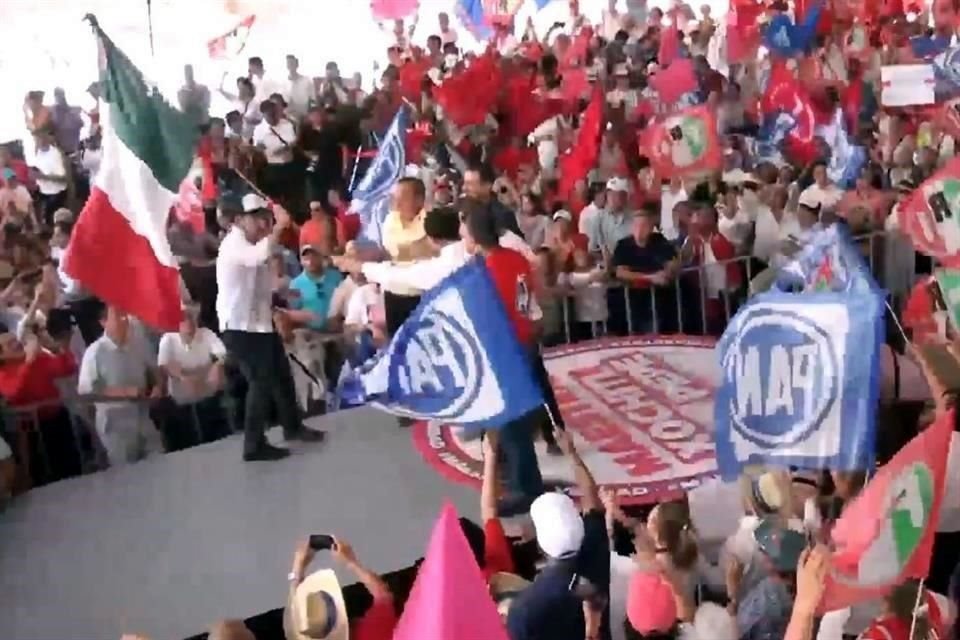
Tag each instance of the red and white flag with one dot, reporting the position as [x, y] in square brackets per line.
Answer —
[232, 42]
[119, 249]
[885, 535]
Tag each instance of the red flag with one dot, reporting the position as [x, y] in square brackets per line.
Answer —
[411, 78]
[232, 42]
[683, 143]
[669, 45]
[435, 609]
[674, 81]
[208, 190]
[393, 9]
[885, 535]
[931, 215]
[582, 157]
[575, 85]
[785, 93]
[743, 33]
[852, 103]
[468, 97]
[918, 313]
[523, 108]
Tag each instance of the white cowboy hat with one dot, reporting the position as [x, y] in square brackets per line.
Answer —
[317, 609]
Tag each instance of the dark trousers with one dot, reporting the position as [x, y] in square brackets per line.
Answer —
[86, 313]
[187, 425]
[263, 364]
[398, 308]
[543, 379]
[49, 203]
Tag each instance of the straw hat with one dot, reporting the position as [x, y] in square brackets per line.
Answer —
[317, 609]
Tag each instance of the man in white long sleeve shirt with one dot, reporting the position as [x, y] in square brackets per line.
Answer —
[245, 310]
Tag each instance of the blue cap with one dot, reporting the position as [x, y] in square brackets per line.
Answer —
[781, 545]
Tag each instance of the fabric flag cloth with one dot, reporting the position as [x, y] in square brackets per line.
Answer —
[828, 262]
[450, 598]
[949, 282]
[474, 18]
[669, 44]
[785, 94]
[582, 157]
[885, 535]
[799, 382]
[119, 249]
[904, 85]
[188, 208]
[467, 98]
[393, 9]
[946, 69]
[931, 215]
[846, 158]
[232, 42]
[684, 143]
[371, 198]
[742, 30]
[920, 311]
[674, 81]
[785, 39]
[456, 359]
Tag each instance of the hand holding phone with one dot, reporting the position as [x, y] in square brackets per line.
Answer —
[321, 542]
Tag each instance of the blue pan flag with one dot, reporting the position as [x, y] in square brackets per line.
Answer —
[371, 198]
[827, 261]
[456, 359]
[799, 382]
[846, 158]
[787, 40]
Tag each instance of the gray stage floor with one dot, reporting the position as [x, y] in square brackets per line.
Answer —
[167, 546]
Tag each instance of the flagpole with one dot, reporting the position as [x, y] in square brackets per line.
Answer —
[896, 321]
[150, 25]
[916, 607]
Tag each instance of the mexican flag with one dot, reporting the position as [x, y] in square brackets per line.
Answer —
[119, 249]
[886, 535]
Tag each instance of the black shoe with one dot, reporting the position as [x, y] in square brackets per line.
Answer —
[306, 435]
[265, 452]
[405, 423]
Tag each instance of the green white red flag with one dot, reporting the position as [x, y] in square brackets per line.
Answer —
[684, 143]
[931, 215]
[119, 249]
[885, 535]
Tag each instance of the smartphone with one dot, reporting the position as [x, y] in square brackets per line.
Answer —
[321, 542]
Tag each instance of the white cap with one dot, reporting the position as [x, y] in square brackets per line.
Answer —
[253, 202]
[618, 184]
[563, 214]
[809, 200]
[558, 524]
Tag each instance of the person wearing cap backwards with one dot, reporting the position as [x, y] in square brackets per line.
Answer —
[246, 313]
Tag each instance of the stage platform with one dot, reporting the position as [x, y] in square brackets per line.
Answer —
[166, 546]
[169, 545]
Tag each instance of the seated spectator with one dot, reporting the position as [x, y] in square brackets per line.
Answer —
[315, 607]
[323, 231]
[118, 373]
[314, 288]
[647, 263]
[191, 360]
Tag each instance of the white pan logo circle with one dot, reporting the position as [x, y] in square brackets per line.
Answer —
[784, 368]
[443, 369]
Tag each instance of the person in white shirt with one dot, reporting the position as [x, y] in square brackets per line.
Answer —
[50, 173]
[191, 359]
[822, 192]
[774, 228]
[733, 223]
[448, 35]
[245, 309]
[672, 195]
[276, 137]
[299, 91]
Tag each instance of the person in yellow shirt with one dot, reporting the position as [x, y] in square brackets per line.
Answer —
[404, 240]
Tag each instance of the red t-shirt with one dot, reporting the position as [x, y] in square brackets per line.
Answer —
[377, 623]
[511, 276]
[890, 628]
[497, 557]
[25, 382]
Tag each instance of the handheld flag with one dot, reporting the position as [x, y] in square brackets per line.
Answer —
[393, 9]
[931, 215]
[800, 377]
[119, 249]
[582, 156]
[949, 282]
[683, 143]
[435, 609]
[232, 42]
[455, 359]
[828, 262]
[885, 535]
[371, 198]
[846, 159]
[785, 39]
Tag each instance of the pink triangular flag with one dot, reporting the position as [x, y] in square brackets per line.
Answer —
[450, 598]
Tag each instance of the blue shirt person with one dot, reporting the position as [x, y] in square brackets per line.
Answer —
[315, 286]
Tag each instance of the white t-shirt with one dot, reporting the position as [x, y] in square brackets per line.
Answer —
[668, 200]
[196, 356]
[50, 162]
[769, 234]
[360, 305]
[448, 36]
[827, 197]
[735, 229]
[298, 93]
[588, 217]
[277, 141]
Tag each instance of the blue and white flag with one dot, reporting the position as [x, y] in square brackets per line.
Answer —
[827, 261]
[456, 359]
[800, 377]
[846, 158]
[785, 39]
[371, 198]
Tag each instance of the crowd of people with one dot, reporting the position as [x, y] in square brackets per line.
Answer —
[618, 250]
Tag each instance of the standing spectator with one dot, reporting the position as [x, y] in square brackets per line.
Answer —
[275, 137]
[50, 172]
[319, 143]
[765, 610]
[67, 122]
[822, 192]
[478, 184]
[299, 91]
[115, 367]
[315, 286]
[673, 194]
[533, 220]
[37, 115]
[590, 214]
[16, 205]
[191, 359]
[246, 106]
[322, 231]
[333, 90]
[245, 310]
[448, 35]
[405, 240]
[613, 223]
[194, 98]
